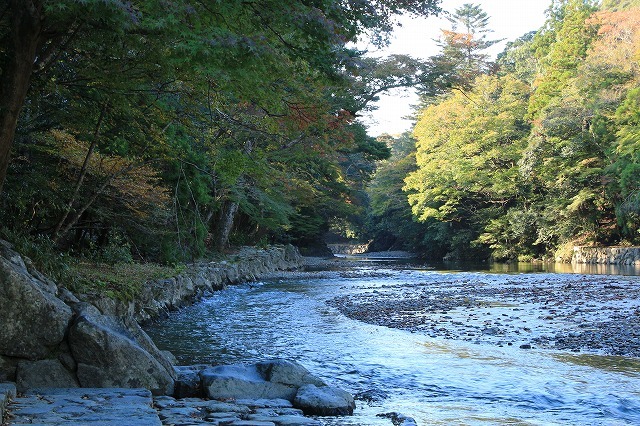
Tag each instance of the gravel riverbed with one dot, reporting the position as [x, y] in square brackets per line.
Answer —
[597, 314]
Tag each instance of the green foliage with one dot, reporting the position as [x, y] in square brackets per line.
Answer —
[526, 175]
[43, 253]
[147, 122]
[462, 57]
[617, 5]
[122, 281]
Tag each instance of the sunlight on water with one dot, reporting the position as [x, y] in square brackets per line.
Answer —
[436, 381]
[616, 364]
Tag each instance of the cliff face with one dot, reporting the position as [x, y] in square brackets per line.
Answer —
[51, 338]
[606, 255]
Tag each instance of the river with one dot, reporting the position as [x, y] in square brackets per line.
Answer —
[435, 379]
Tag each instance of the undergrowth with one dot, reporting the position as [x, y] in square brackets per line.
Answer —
[84, 275]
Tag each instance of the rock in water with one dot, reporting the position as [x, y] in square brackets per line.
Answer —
[242, 381]
[277, 379]
[287, 373]
[324, 401]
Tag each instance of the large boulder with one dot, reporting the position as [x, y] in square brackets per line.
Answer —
[7, 393]
[287, 373]
[242, 382]
[272, 379]
[188, 383]
[8, 367]
[324, 401]
[108, 355]
[33, 319]
[47, 373]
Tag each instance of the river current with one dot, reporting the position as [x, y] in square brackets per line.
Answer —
[436, 381]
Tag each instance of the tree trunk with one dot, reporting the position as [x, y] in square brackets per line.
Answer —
[229, 210]
[22, 42]
[225, 225]
[83, 173]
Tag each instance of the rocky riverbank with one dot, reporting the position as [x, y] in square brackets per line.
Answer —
[248, 264]
[52, 338]
[566, 312]
[606, 255]
[271, 393]
[82, 358]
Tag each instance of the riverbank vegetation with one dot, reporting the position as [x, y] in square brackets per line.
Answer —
[520, 158]
[165, 131]
[168, 131]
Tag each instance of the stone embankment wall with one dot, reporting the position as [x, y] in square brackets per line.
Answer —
[348, 249]
[159, 297]
[606, 255]
[50, 337]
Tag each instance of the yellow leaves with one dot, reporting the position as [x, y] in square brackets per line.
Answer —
[618, 44]
[132, 182]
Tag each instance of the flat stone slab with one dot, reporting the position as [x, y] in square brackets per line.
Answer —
[105, 407]
[7, 392]
[248, 412]
[285, 420]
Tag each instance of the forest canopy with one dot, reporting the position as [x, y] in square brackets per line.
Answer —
[165, 130]
[527, 156]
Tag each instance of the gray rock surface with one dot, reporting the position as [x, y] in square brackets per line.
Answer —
[8, 368]
[188, 383]
[287, 373]
[272, 379]
[242, 381]
[324, 401]
[33, 319]
[7, 393]
[108, 355]
[399, 419]
[191, 411]
[605, 255]
[104, 407]
[44, 373]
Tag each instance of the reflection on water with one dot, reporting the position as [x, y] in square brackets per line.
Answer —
[537, 267]
[496, 267]
[436, 381]
[617, 364]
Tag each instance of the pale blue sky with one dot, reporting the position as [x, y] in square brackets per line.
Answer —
[508, 18]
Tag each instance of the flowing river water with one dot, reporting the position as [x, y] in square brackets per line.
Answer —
[455, 368]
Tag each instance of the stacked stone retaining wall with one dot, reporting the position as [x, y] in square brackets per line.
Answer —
[348, 249]
[606, 255]
[249, 264]
[50, 337]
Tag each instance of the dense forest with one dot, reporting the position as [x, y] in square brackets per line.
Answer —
[166, 131]
[527, 156]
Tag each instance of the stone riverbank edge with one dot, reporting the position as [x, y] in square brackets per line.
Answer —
[82, 359]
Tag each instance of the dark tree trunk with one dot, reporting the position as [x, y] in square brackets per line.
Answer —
[21, 45]
[225, 225]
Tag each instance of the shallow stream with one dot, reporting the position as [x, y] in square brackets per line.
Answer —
[435, 380]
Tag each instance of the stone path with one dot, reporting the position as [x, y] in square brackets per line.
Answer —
[105, 407]
[7, 392]
[117, 407]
